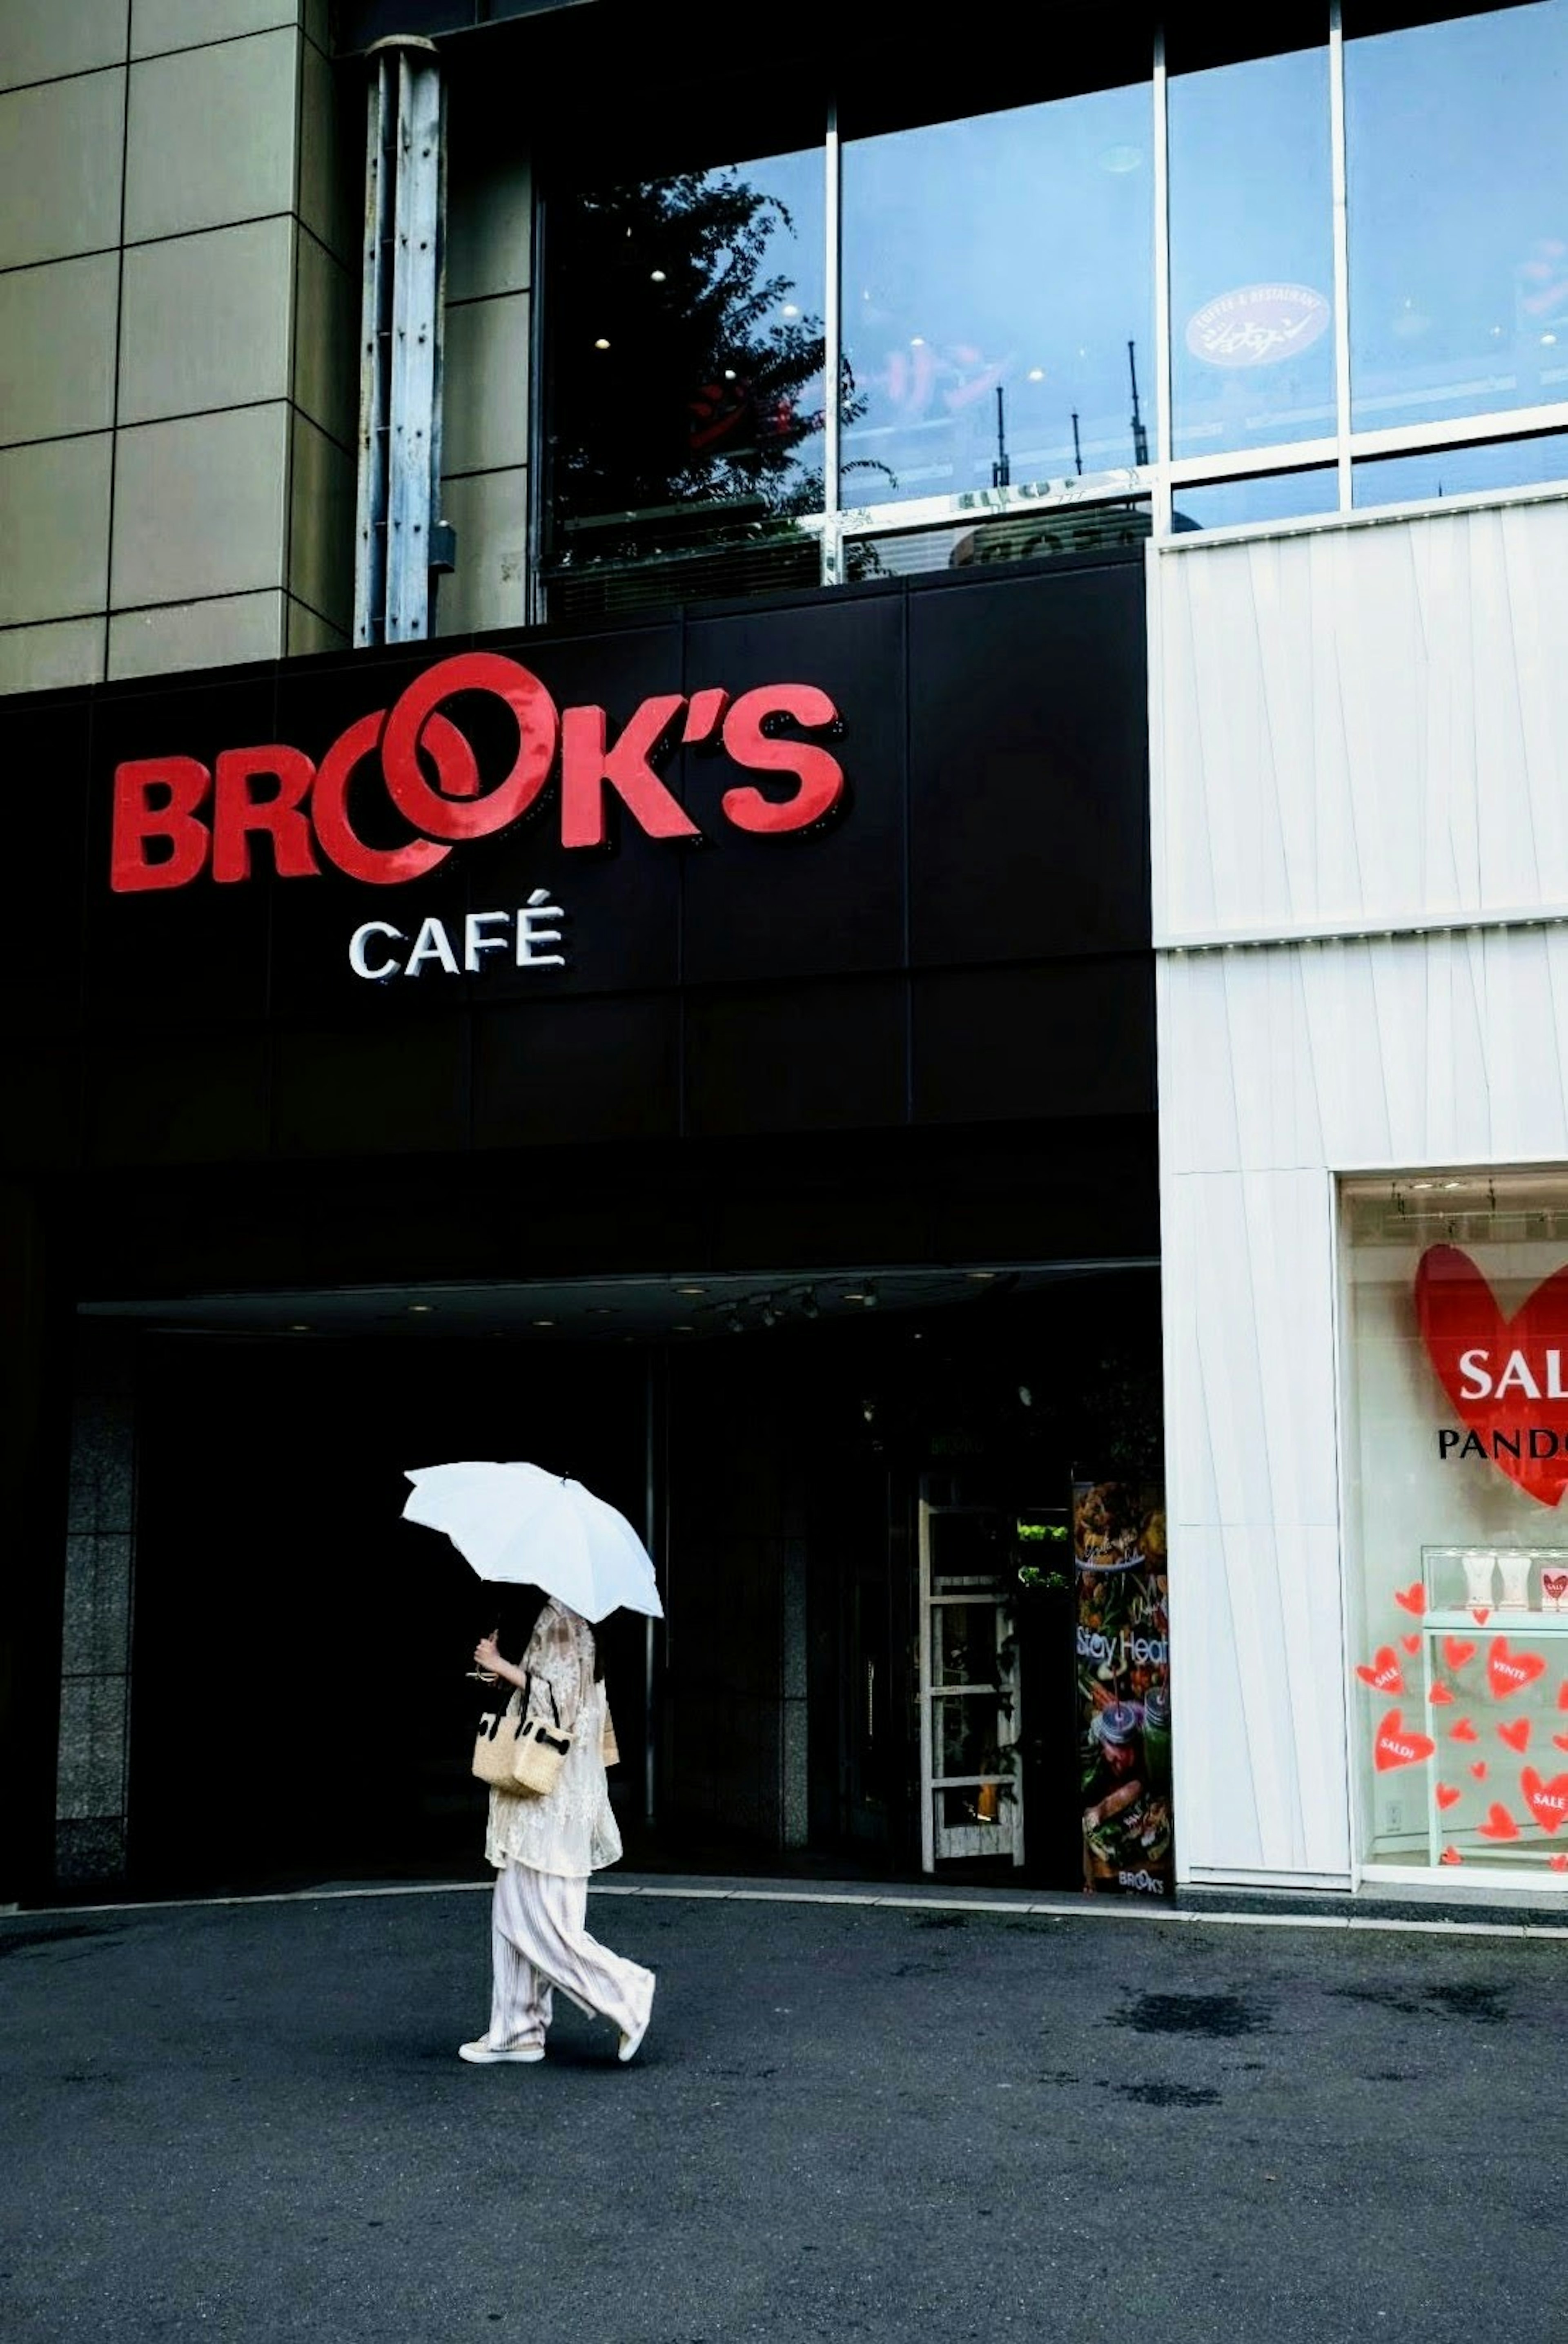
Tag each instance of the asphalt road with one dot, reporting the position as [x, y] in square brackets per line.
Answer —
[248, 2122]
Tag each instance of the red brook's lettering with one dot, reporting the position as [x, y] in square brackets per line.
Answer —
[429, 771]
[237, 811]
[180, 785]
[822, 777]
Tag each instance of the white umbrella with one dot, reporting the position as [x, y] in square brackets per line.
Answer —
[534, 1529]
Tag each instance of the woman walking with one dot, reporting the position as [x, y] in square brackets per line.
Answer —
[544, 1846]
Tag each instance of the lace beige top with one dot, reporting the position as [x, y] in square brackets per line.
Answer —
[571, 1830]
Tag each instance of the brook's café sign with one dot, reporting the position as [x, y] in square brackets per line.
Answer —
[177, 822]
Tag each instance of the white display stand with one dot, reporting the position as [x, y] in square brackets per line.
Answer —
[1449, 1613]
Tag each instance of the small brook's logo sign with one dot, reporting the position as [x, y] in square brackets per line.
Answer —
[175, 820]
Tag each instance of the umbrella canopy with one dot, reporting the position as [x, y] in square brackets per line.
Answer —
[518, 1524]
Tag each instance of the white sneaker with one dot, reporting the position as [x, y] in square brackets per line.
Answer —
[485, 2053]
[630, 2044]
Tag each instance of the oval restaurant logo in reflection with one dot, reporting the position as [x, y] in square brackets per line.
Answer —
[1258, 325]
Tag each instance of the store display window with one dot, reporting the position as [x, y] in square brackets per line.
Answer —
[1455, 1367]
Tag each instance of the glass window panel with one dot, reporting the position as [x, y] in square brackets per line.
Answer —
[1265, 496]
[1010, 254]
[1458, 189]
[1459, 471]
[962, 1810]
[1251, 254]
[1009, 536]
[1455, 1450]
[967, 1738]
[686, 393]
[965, 1550]
[966, 1642]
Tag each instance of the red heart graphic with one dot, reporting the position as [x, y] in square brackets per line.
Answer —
[1383, 1675]
[1558, 1862]
[1439, 1692]
[1516, 1734]
[1412, 1644]
[1447, 1796]
[1555, 1584]
[1469, 1341]
[1499, 1823]
[1479, 1770]
[1399, 1745]
[1411, 1599]
[1452, 1855]
[1462, 1730]
[1457, 1650]
[1547, 1802]
[1481, 1613]
[1509, 1672]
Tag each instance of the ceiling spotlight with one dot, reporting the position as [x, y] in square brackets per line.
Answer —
[683, 1330]
[544, 1322]
[417, 1307]
[856, 1297]
[980, 1276]
[299, 1327]
[602, 344]
[656, 276]
[691, 1289]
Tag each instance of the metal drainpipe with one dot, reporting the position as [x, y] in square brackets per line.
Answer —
[402, 542]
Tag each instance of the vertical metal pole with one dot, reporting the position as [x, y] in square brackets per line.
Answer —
[1164, 389]
[370, 535]
[1341, 250]
[649, 1540]
[833, 358]
[401, 536]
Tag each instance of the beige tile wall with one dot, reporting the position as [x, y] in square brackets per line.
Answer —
[485, 430]
[178, 325]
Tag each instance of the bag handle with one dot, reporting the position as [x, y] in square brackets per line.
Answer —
[527, 1694]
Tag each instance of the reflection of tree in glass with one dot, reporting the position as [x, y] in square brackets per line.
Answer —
[686, 393]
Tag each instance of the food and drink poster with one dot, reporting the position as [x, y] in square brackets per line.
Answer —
[1123, 1687]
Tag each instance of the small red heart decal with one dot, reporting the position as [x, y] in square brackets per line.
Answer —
[1464, 1329]
[1479, 1770]
[1554, 1583]
[1499, 1823]
[1509, 1672]
[1411, 1643]
[1481, 1613]
[1457, 1650]
[1383, 1675]
[1411, 1599]
[1399, 1745]
[1439, 1692]
[1452, 1855]
[1447, 1796]
[1558, 1862]
[1547, 1802]
[1516, 1734]
[1462, 1730]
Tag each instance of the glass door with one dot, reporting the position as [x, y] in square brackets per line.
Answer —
[970, 1792]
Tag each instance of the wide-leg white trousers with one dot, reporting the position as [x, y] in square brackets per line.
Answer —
[539, 1940]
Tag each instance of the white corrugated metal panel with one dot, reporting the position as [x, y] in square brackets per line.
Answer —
[1362, 725]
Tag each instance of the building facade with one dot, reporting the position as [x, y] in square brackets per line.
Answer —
[837, 795]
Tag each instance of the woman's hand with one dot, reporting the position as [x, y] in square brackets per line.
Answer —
[487, 1657]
